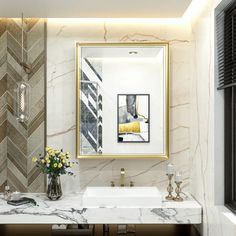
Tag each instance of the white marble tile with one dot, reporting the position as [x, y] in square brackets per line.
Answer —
[204, 169]
[61, 92]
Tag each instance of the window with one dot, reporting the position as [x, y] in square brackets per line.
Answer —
[226, 64]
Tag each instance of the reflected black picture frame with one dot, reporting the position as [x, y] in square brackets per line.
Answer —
[133, 94]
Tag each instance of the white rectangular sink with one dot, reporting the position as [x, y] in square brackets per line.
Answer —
[122, 197]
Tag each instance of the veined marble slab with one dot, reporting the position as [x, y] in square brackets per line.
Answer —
[70, 210]
[61, 79]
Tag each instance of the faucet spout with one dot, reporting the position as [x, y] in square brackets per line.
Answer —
[122, 177]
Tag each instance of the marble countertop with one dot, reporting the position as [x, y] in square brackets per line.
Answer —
[70, 210]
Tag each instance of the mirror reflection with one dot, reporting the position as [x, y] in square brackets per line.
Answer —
[122, 100]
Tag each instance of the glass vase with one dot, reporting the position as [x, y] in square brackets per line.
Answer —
[54, 191]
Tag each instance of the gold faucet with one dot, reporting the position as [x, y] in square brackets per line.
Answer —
[122, 177]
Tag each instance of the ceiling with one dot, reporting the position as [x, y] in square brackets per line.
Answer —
[94, 8]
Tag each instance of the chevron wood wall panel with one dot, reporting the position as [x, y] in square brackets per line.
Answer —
[20, 141]
[3, 103]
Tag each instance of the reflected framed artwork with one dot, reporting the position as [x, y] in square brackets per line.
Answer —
[133, 119]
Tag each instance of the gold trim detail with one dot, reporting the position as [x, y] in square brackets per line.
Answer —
[163, 156]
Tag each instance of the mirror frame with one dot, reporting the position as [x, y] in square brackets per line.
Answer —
[165, 155]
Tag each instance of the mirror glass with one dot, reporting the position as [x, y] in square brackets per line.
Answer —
[122, 100]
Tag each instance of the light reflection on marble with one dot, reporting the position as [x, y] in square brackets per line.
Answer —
[70, 210]
[207, 180]
[61, 95]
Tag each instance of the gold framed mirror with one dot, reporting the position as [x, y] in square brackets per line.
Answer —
[122, 100]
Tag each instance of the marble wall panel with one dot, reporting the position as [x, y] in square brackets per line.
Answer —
[206, 124]
[61, 94]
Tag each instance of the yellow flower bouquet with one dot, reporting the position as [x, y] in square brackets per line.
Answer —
[55, 163]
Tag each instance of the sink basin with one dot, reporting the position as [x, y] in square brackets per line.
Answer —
[122, 197]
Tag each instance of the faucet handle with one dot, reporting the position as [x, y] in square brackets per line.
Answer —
[112, 184]
[131, 184]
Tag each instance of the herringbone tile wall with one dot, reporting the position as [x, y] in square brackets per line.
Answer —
[20, 141]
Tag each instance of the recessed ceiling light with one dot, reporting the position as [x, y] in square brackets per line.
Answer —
[133, 52]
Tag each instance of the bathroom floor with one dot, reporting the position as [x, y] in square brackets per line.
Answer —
[147, 230]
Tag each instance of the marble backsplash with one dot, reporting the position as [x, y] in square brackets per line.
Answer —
[61, 98]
